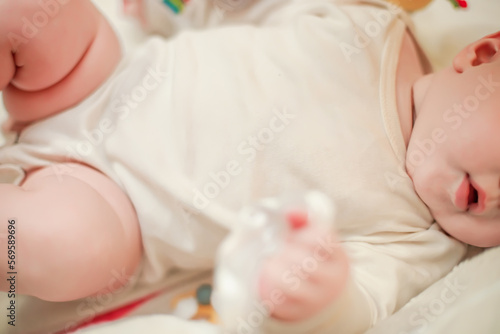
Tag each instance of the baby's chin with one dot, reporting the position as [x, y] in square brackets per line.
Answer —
[478, 242]
[447, 222]
[457, 226]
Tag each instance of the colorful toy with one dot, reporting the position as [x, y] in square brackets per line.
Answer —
[176, 5]
[459, 3]
[196, 305]
[413, 5]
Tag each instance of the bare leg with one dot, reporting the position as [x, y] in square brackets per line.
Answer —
[70, 231]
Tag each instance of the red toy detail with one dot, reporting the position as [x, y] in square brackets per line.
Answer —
[297, 219]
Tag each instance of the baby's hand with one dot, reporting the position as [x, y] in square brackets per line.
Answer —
[308, 274]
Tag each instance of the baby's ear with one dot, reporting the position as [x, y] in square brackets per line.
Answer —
[480, 52]
[494, 35]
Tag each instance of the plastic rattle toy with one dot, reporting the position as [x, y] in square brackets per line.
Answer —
[459, 3]
[261, 232]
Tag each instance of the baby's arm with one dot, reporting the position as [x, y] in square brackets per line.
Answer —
[76, 233]
[383, 276]
[53, 54]
[311, 274]
[312, 290]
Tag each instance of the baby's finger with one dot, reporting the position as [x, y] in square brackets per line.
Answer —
[313, 237]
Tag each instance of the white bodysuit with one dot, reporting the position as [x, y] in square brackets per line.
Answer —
[300, 95]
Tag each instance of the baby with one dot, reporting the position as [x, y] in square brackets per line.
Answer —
[140, 164]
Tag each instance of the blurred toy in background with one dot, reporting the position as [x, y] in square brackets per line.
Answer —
[137, 7]
[459, 3]
[176, 5]
[156, 16]
[413, 5]
[195, 305]
[142, 8]
[162, 16]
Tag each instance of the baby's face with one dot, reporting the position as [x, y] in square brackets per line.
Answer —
[453, 156]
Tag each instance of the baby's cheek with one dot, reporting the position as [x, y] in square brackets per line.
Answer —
[425, 185]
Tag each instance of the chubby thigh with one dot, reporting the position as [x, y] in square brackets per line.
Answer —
[72, 223]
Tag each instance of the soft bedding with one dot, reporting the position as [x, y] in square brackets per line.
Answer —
[465, 301]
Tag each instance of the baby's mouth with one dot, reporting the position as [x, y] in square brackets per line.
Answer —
[476, 199]
[472, 198]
